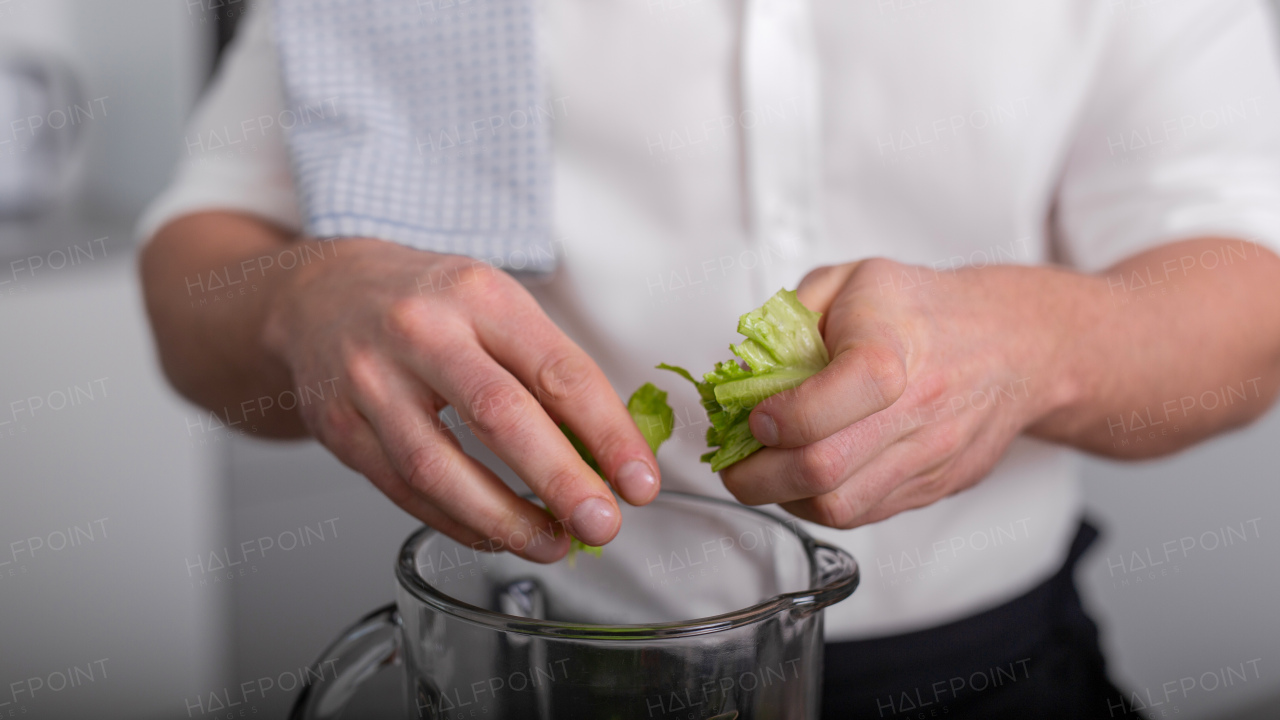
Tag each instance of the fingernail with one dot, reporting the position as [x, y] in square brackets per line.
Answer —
[545, 549]
[595, 521]
[764, 428]
[636, 482]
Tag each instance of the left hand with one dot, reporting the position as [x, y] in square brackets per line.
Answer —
[932, 375]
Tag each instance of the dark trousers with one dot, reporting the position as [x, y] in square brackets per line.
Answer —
[1036, 656]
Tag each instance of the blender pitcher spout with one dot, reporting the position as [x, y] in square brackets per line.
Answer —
[835, 577]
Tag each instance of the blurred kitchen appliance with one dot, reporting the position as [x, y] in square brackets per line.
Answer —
[43, 106]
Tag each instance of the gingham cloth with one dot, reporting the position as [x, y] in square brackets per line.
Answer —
[421, 122]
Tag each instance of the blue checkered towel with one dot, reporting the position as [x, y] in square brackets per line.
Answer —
[429, 126]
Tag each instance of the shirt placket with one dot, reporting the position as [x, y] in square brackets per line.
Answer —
[781, 123]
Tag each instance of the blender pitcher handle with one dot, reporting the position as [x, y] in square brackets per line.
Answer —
[836, 576]
[363, 649]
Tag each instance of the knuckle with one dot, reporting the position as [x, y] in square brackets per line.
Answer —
[364, 371]
[513, 529]
[332, 423]
[877, 266]
[879, 273]
[822, 468]
[495, 408]
[563, 375]
[481, 276]
[817, 274]
[610, 443]
[394, 488]
[930, 484]
[832, 510]
[405, 316]
[937, 484]
[946, 441]
[507, 526]
[429, 470]
[932, 389]
[482, 281]
[458, 277]
[886, 373]
[560, 484]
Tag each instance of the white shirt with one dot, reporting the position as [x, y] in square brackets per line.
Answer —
[953, 133]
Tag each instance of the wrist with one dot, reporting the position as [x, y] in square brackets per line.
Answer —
[284, 298]
[1072, 312]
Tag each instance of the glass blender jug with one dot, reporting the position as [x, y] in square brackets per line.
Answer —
[700, 609]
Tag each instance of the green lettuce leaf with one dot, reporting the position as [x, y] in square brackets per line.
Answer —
[783, 348]
[651, 413]
[656, 420]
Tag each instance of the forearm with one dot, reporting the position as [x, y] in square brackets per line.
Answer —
[208, 279]
[1167, 348]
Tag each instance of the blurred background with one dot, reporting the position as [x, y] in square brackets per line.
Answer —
[123, 590]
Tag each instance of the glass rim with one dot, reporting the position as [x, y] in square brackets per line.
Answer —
[410, 578]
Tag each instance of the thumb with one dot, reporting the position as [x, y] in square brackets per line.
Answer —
[867, 372]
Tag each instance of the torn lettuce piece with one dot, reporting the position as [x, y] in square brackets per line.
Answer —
[656, 420]
[651, 413]
[576, 546]
[783, 348]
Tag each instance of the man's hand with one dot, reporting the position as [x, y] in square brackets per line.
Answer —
[927, 385]
[932, 375]
[409, 332]
[406, 333]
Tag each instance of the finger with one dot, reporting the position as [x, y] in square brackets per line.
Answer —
[910, 460]
[946, 477]
[867, 373]
[507, 419]
[358, 448]
[779, 475]
[428, 458]
[820, 286]
[572, 387]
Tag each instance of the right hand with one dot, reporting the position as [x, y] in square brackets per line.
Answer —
[408, 332]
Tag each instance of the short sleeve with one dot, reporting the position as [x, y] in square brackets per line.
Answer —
[235, 155]
[1179, 134]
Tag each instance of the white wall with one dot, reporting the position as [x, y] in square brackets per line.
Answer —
[116, 470]
[1208, 604]
[117, 465]
[149, 58]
